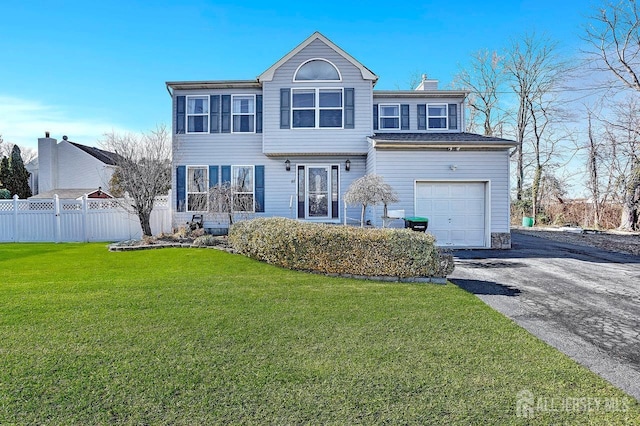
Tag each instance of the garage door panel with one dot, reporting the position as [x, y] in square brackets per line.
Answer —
[456, 212]
[476, 205]
[475, 222]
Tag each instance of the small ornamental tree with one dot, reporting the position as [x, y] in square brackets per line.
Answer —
[144, 170]
[370, 190]
[226, 202]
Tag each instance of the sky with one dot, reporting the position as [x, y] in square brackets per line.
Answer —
[85, 68]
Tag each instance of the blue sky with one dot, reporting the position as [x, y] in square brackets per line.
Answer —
[83, 68]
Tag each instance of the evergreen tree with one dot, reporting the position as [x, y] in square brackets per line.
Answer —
[5, 172]
[18, 182]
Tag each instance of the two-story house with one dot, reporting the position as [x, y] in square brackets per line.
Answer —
[293, 140]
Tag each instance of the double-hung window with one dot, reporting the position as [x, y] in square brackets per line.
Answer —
[244, 113]
[197, 188]
[243, 187]
[198, 114]
[389, 116]
[317, 108]
[437, 116]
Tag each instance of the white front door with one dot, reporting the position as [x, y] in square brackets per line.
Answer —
[456, 212]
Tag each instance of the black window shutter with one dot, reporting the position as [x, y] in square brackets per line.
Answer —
[226, 114]
[214, 126]
[180, 114]
[375, 116]
[404, 116]
[226, 174]
[181, 188]
[301, 192]
[259, 189]
[349, 112]
[258, 113]
[422, 117]
[335, 191]
[213, 176]
[453, 116]
[285, 108]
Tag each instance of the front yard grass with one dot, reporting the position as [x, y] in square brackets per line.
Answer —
[186, 336]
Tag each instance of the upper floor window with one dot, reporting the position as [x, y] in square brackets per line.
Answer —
[437, 116]
[198, 114]
[244, 113]
[389, 116]
[316, 108]
[317, 70]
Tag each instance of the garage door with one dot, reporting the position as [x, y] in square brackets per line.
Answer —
[456, 212]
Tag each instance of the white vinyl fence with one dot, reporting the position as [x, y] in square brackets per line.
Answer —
[87, 219]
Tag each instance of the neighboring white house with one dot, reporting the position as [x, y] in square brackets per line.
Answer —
[70, 169]
[293, 140]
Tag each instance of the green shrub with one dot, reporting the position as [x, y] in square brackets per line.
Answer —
[340, 249]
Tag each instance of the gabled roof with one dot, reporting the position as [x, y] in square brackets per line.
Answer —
[106, 157]
[438, 140]
[367, 74]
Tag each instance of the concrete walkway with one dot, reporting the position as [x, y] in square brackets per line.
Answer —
[582, 300]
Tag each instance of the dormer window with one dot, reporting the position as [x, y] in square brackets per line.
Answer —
[317, 70]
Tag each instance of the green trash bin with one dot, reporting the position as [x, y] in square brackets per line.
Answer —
[527, 222]
[416, 223]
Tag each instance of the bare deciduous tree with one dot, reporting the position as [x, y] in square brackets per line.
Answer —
[370, 190]
[534, 71]
[143, 172]
[613, 34]
[484, 78]
[227, 201]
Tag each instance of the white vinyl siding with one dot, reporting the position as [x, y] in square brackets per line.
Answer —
[317, 140]
[402, 169]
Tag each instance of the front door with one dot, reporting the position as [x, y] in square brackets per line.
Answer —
[317, 192]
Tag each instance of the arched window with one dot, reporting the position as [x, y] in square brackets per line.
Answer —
[317, 69]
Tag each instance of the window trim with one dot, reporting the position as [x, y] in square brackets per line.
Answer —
[445, 116]
[206, 186]
[295, 74]
[187, 115]
[317, 107]
[380, 116]
[233, 114]
[253, 189]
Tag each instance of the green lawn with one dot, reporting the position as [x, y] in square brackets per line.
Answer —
[195, 336]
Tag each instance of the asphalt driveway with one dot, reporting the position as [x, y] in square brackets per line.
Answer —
[582, 300]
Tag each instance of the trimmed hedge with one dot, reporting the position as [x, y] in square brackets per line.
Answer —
[337, 249]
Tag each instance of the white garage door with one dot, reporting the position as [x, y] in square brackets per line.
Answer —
[456, 212]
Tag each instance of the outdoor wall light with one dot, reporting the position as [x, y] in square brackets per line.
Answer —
[453, 167]
[347, 165]
[287, 165]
